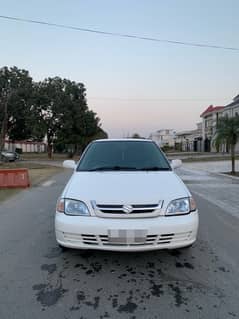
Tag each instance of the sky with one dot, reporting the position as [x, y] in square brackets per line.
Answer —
[133, 85]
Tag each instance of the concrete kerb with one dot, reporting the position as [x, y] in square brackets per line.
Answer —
[223, 175]
[213, 168]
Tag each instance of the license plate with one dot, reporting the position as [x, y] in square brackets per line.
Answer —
[127, 236]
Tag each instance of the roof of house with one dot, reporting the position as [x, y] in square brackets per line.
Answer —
[211, 109]
[235, 101]
[185, 133]
[236, 98]
[164, 129]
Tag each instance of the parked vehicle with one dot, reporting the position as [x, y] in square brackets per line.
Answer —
[8, 156]
[125, 196]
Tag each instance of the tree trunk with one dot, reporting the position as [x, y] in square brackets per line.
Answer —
[75, 149]
[233, 159]
[2, 136]
[49, 150]
[4, 125]
[49, 145]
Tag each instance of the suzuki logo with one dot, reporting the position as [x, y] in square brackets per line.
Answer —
[127, 209]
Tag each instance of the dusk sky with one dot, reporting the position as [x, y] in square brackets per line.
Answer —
[133, 85]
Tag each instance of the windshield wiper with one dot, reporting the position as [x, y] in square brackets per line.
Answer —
[112, 168]
[126, 168]
[154, 168]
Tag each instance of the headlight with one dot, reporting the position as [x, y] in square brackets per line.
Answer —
[72, 207]
[76, 208]
[181, 206]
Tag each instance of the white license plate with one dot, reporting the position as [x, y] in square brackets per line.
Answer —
[127, 236]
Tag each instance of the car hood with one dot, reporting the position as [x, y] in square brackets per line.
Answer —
[125, 187]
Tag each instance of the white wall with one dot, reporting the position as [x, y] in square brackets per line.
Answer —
[27, 147]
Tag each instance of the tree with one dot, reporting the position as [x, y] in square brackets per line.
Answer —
[100, 134]
[48, 109]
[80, 124]
[55, 109]
[136, 135]
[227, 133]
[15, 102]
[61, 112]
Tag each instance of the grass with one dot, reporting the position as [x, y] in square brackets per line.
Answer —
[44, 157]
[23, 165]
[6, 193]
[38, 174]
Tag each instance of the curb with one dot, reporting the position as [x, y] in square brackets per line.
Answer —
[223, 175]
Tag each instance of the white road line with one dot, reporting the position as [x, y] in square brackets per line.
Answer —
[48, 183]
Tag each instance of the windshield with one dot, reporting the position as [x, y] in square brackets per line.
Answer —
[123, 155]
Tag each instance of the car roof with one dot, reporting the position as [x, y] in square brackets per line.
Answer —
[123, 140]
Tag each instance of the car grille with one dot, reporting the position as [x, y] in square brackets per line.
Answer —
[104, 240]
[127, 211]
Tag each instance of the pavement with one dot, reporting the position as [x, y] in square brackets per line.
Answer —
[212, 166]
[38, 280]
[205, 179]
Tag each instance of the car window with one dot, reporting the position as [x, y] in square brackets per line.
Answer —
[123, 155]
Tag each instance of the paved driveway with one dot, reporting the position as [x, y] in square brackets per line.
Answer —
[212, 166]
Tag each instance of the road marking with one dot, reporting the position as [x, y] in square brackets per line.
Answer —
[48, 183]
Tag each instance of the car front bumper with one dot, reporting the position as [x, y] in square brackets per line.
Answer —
[94, 232]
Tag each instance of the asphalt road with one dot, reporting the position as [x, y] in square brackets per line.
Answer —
[38, 280]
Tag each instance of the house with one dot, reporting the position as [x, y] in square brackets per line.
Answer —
[164, 137]
[25, 146]
[210, 119]
[190, 141]
[232, 110]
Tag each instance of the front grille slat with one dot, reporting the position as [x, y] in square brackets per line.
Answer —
[109, 206]
[120, 211]
[145, 206]
[126, 211]
[90, 243]
[104, 240]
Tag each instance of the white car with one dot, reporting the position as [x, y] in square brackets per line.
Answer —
[125, 196]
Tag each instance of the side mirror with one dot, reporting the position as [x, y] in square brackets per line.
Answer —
[69, 164]
[176, 163]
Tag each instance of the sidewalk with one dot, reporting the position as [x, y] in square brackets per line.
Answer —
[212, 167]
[203, 178]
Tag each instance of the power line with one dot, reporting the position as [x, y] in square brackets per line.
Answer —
[154, 100]
[121, 35]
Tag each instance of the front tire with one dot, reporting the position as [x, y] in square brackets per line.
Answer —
[63, 248]
[185, 248]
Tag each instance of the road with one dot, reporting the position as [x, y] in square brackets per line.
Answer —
[38, 280]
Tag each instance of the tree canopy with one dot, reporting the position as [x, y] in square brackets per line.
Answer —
[15, 99]
[55, 109]
[227, 133]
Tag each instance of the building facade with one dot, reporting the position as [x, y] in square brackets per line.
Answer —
[232, 110]
[25, 146]
[210, 119]
[190, 141]
[164, 137]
